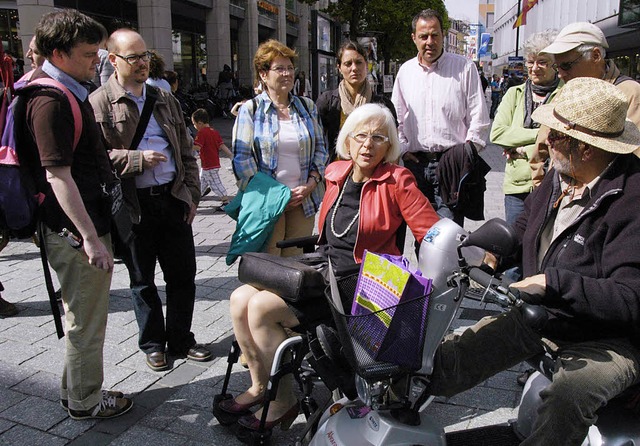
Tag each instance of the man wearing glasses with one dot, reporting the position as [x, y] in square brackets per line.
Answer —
[161, 185]
[580, 51]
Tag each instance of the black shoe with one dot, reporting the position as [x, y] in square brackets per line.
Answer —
[157, 361]
[7, 308]
[199, 353]
[206, 192]
[58, 294]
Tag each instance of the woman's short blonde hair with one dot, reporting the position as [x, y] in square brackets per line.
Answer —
[370, 113]
[269, 50]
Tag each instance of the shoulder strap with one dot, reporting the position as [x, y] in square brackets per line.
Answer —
[152, 96]
[304, 104]
[622, 78]
[75, 108]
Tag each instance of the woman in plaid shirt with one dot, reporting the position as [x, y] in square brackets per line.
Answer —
[280, 134]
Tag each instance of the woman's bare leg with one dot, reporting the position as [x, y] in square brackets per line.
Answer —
[268, 315]
[239, 303]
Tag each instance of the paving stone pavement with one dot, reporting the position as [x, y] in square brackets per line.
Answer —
[174, 407]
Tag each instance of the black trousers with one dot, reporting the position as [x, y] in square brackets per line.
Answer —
[165, 237]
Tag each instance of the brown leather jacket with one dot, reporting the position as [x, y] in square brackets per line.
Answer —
[118, 116]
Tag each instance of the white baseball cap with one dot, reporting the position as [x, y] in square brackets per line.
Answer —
[574, 35]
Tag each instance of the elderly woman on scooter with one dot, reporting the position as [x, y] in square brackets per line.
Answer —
[367, 200]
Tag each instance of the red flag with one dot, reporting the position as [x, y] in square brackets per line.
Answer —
[522, 18]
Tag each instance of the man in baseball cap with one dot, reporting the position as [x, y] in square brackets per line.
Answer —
[580, 51]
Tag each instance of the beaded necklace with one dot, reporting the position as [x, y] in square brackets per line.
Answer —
[335, 208]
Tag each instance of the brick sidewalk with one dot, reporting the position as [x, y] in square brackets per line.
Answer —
[172, 407]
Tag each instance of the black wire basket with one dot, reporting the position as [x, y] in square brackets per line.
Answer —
[375, 349]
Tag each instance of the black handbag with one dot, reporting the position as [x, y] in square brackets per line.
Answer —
[294, 279]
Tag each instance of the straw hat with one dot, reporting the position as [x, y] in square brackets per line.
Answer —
[574, 35]
[593, 111]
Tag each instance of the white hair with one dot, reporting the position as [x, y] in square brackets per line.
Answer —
[539, 41]
[587, 48]
[367, 113]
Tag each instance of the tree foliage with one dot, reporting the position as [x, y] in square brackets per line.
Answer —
[388, 20]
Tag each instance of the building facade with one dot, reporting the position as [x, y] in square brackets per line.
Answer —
[197, 38]
[622, 30]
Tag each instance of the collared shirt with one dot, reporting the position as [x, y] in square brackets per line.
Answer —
[154, 139]
[73, 85]
[569, 209]
[440, 106]
[259, 128]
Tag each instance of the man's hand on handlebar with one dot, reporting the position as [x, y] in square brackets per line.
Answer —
[531, 289]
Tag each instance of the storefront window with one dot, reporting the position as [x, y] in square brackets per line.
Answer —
[9, 33]
[324, 34]
[328, 78]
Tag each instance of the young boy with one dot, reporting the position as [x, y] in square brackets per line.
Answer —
[210, 144]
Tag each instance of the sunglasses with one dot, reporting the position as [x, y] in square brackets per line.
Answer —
[566, 66]
[555, 136]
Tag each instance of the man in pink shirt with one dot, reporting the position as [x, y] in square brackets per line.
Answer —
[440, 105]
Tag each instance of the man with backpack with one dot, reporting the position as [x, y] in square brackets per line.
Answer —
[74, 175]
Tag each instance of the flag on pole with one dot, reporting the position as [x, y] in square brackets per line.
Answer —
[522, 18]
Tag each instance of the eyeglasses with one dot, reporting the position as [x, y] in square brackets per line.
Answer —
[541, 63]
[282, 70]
[376, 139]
[555, 136]
[566, 66]
[135, 58]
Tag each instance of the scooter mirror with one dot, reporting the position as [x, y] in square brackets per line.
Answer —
[495, 236]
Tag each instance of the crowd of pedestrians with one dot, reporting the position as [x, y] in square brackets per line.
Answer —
[366, 164]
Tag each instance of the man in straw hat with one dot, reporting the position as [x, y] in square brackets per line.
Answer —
[580, 231]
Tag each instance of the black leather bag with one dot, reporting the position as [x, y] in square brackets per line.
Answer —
[294, 279]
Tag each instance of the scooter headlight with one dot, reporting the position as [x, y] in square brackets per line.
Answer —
[364, 390]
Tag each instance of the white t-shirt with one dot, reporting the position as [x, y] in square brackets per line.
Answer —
[288, 170]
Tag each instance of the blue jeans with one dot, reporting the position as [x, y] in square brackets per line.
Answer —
[513, 206]
[163, 235]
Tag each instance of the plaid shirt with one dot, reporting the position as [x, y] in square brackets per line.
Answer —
[259, 129]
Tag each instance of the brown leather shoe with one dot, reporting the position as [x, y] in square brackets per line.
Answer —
[157, 361]
[199, 353]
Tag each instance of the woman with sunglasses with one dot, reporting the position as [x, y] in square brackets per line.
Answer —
[513, 128]
[367, 200]
[354, 90]
[279, 134]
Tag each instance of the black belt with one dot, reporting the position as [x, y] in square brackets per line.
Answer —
[428, 156]
[153, 191]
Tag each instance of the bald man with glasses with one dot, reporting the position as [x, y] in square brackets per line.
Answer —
[152, 152]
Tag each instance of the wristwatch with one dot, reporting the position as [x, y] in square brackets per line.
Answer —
[316, 178]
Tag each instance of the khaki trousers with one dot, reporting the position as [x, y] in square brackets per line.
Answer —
[292, 224]
[85, 297]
